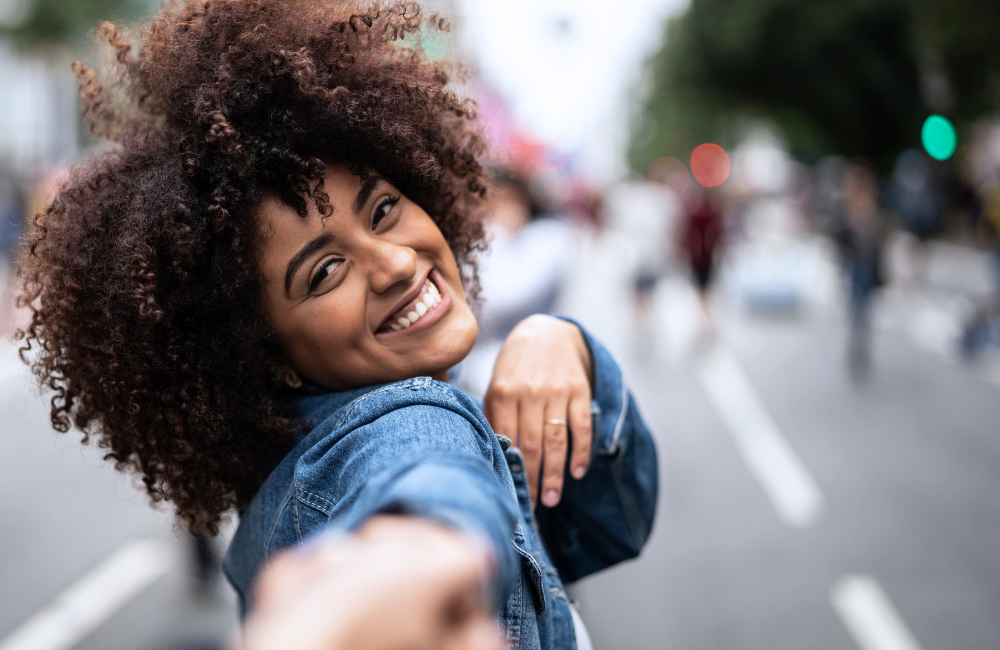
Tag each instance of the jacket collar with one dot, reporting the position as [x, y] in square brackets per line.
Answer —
[316, 403]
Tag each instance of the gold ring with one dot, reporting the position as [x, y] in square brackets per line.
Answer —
[560, 423]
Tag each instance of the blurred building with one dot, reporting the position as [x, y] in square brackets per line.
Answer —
[38, 120]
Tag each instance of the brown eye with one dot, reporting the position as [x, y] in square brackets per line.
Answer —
[323, 272]
[383, 209]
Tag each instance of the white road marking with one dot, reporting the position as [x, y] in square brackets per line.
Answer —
[93, 599]
[781, 473]
[869, 615]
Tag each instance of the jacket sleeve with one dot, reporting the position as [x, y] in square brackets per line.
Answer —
[429, 462]
[606, 516]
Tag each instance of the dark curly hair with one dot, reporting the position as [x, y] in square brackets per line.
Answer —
[141, 275]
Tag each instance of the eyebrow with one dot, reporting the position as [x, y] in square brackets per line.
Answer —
[367, 187]
[307, 251]
[366, 191]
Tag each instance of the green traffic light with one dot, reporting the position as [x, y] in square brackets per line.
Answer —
[939, 137]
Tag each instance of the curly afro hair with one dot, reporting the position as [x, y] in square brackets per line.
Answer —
[141, 275]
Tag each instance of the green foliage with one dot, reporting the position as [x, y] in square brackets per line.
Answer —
[837, 76]
[964, 36]
[48, 23]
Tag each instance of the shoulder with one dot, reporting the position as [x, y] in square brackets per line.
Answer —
[382, 430]
[416, 392]
[394, 423]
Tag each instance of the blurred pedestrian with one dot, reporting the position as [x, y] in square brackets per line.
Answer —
[983, 329]
[12, 211]
[700, 241]
[522, 273]
[918, 201]
[863, 245]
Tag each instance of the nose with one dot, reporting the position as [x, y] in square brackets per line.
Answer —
[392, 264]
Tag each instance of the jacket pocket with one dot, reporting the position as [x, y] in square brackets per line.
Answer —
[531, 570]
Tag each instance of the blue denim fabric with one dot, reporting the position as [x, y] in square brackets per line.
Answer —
[423, 447]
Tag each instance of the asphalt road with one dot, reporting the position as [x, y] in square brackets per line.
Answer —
[906, 466]
[907, 463]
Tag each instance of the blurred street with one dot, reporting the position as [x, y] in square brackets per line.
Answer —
[905, 464]
[782, 217]
[72, 513]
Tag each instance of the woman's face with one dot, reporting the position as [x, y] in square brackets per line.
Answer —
[370, 294]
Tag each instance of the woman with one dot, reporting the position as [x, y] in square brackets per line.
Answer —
[254, 297]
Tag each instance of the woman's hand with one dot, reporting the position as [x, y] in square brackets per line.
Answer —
[542, 382]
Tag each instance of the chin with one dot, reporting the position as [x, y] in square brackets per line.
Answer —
[456, 342]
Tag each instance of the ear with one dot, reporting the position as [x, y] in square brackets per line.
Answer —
[290, 377]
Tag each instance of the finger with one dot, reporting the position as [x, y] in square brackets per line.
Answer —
[501, 412]
[581, 428]
[480, 633]
[556, 438]
[529, 440]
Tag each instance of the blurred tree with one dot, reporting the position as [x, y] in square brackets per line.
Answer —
[49, 23]
[960, 42]
[853, 77]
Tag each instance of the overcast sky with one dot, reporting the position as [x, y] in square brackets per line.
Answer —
[568, 68]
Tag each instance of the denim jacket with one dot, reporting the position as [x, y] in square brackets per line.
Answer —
[423, 447]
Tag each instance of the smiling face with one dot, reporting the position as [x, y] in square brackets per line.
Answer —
[370, 294]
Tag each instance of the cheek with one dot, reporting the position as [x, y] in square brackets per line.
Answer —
[431, 240]
[336, 320]
[326, 329]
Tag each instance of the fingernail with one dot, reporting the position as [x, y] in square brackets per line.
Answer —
[551, 498]
[579, 471]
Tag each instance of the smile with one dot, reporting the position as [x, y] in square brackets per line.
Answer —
[430, 303]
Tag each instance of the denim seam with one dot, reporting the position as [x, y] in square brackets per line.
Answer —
[411, 383]
[632, 518]
[325, 511]
[424, 383]
[535, 574]
[621, 416]
[514, 631]
[295, 519]
[274, 526]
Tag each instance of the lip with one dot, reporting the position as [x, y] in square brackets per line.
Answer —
[431, 317]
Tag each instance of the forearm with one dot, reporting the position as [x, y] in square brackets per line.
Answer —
[461, 494]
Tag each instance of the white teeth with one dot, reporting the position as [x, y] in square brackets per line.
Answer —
[431, 297]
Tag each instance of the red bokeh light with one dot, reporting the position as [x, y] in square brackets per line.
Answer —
[670, 172]
[710, 165]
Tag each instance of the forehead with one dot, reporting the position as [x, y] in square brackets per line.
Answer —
[278, 220]
[282, 232]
